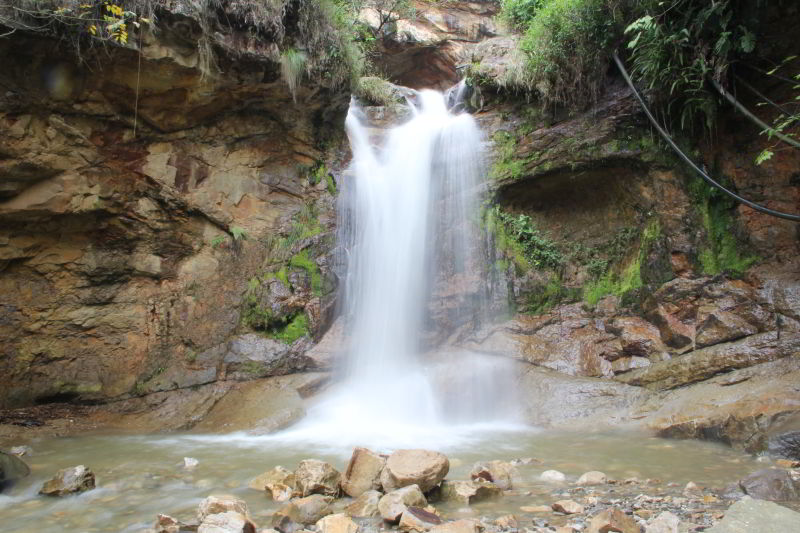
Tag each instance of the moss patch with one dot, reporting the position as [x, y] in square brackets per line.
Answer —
[304, 261]
[296, 328]
[543, 298]
[506, 165]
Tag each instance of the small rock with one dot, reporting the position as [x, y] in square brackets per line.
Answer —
[278, 474]
[220, 504]
[365, 506]
[227, 522]
[21, 451]
[568, 507]
[498, 472]
[592, 478]
[166, 524]
[416, 519]
[525, 461]
[423, 468]
[613, 520]
[468, 492]
[337, 523]
[316, 477]
[363, 472]
[644, 513]
[553, 476]
[306, 511]
[190, 462]
[508, 521]
[459, 526]
[392, 505]
[280, 492]
[68, 481]
[691, 489]
[665, 522]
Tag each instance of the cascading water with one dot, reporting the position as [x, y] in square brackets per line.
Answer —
[410, 246]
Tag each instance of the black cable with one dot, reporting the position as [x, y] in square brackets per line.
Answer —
[706, 177]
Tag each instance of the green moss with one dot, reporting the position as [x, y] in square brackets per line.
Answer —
[630, 279]
[722, 253]
[545, 297]
[253, 315]
[374, 90]
[304, 261]
[282, 276]
[506, 164]
[253, 368]
[297, 327]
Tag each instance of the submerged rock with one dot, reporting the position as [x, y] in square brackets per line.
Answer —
[553, 476]
[468, 492]
[363, 472]
[68, 481]
[227, 522]
[500, 473]
[757, 516]
[316, 477]
[423, 468]
[365, 506]
[593, 478]
[392, 505]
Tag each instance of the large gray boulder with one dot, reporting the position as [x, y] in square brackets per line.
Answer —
[757, 516]
[771, 484]
[69, 481]
[423, 468]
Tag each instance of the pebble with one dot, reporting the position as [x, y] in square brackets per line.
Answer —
[568, 507]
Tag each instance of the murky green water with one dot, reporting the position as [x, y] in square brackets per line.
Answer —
[140, 476]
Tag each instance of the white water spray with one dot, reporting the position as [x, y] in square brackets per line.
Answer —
[410, 247]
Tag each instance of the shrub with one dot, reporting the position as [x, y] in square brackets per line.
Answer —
[519, 13]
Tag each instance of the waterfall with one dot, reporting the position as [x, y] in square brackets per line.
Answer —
[409, 240]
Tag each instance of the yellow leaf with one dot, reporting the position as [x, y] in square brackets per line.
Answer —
[93, 29]
[145, 20]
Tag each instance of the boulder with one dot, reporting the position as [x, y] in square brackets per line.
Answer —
[166, 524]
[498, 472]
[458, 526]
[613, 519]
[717, 325]
[467, 492]
[757, 516]
[553, 476]
[365, 506]
[593, 478]
[665, 522]
[227, 522]
[363, 472]
[392, 505]
[336, 523]
[12, 467]
[68, 481]
[422, 468]
[316, 477]
[220, 504]
[417, 519]
[278, 474]
[306, 511]
[771, 484]
[567, 507]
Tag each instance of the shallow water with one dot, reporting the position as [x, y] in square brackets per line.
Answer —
[141, 476]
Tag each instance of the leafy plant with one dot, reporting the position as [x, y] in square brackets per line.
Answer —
[239, 234]
[217, 241]
[516, 236]
[786, 120]
[519, 13]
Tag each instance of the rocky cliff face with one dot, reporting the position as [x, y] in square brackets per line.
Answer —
[143, 200]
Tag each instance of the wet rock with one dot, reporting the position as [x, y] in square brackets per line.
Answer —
[771, 484]
[336, 523]
[254, 356]
[757, 516]
[721, 326]
[280, 492]
[784, 438]
[416, 519]
[458, 526]
[593, 478]
[363, 472]
[167, 524]
[278, 474]
[20, 451]
[226, 522]
[498, 472]
[613, 520]
[665, 522]
[305, 511]
[468, 492]
[365, 506]
[393, 504]
[553, 476]
[12, 467]
[68, 481]
[423, 468]
[316, 477]
[568, 507]
[508, 521]
[221, 504]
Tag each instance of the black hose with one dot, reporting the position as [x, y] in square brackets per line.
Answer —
[706, 177]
